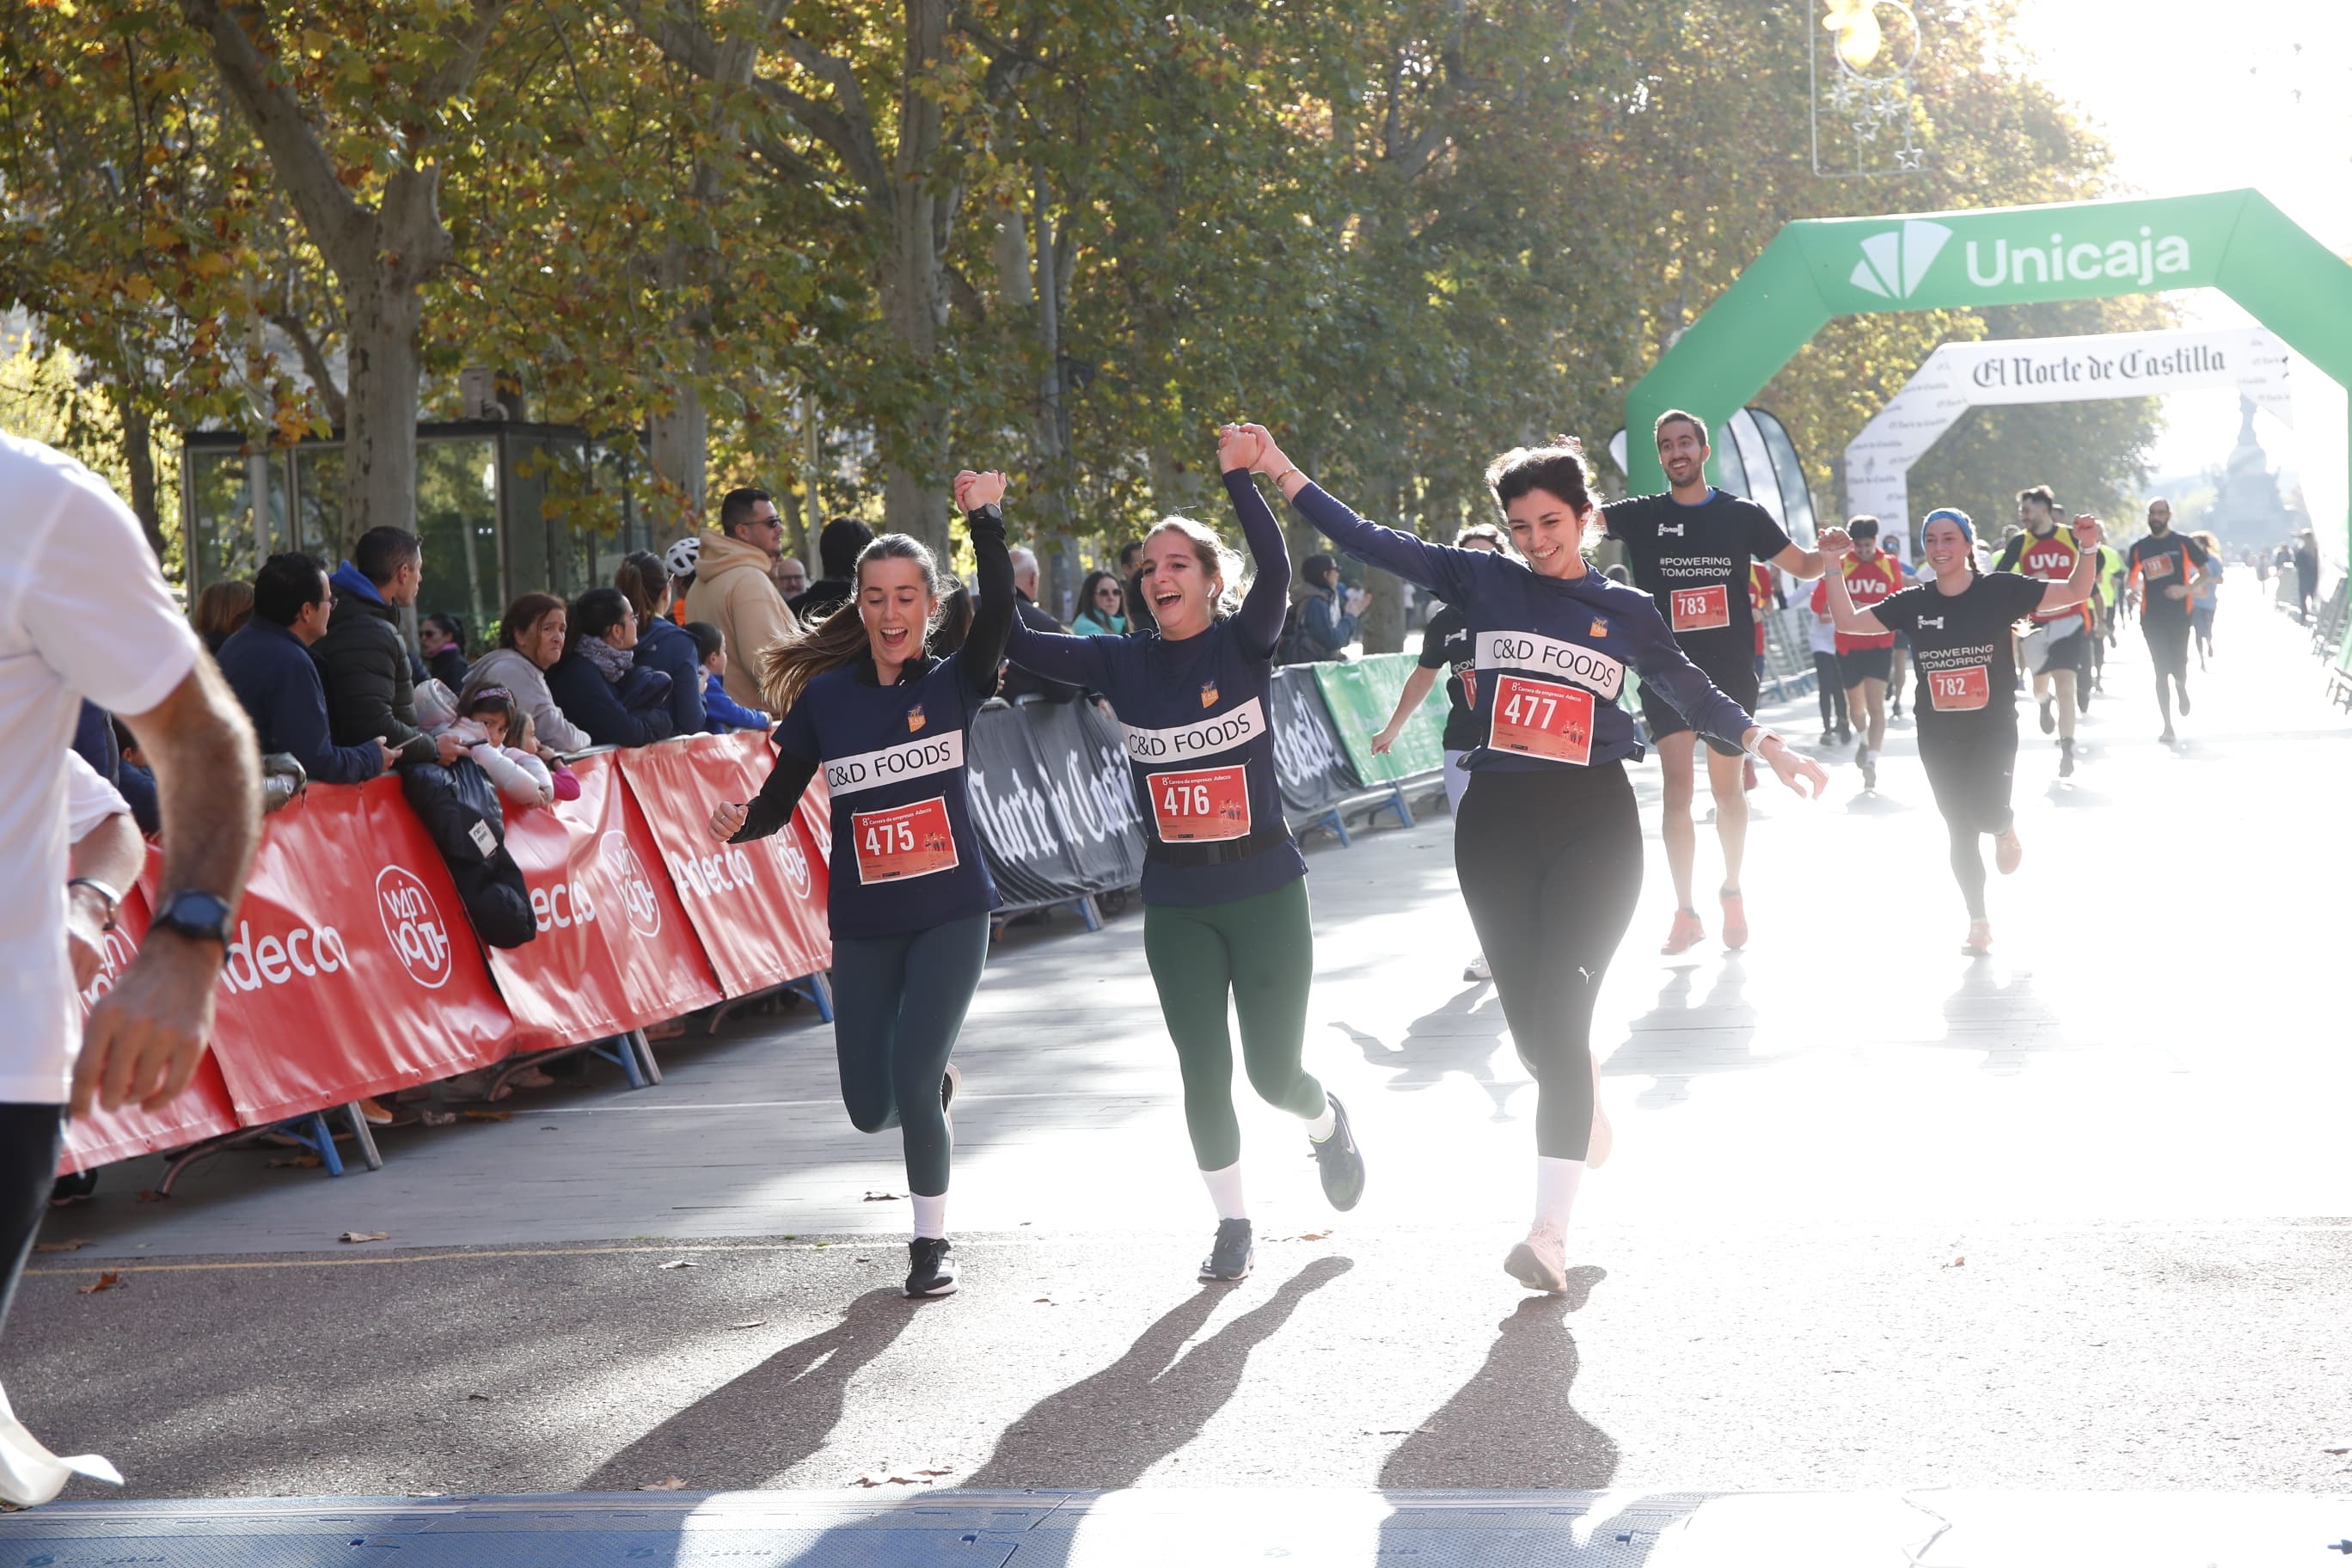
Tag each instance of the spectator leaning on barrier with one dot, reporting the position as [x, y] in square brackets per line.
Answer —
[1326, 621]
[362, 660]
[84, 612]
[441, 637]
[1019, 683]
[598, 681]
[531, 636]
[268, 664]
[838, 545]
[1101, 607]
[492, 728]
[732, 589]
[723, 711]
[220, 609]
[662, 643]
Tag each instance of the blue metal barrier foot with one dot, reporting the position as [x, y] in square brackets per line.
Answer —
[817, 989]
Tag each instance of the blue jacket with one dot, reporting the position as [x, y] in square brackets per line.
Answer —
[1328, 629]
[601, 708]
[724, 712]
[664, 645]
[277, 681]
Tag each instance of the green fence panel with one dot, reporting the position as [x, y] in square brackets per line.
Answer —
[1362, 695]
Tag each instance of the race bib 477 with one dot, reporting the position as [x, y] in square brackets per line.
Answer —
[1542, 719]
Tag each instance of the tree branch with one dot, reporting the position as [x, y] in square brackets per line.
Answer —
[457, 73]
[314, 363]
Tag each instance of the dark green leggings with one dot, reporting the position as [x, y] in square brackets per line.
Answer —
[1261, 952]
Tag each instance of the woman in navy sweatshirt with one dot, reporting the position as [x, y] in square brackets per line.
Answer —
[1548, 845]
[911, 895]
[1224, 890]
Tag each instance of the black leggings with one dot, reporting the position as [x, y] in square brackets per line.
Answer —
[1550, 864]
[31, 1138]
[1970, 770]
[898, 1003]
[1832, 692]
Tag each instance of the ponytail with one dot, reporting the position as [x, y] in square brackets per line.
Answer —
[815, 647]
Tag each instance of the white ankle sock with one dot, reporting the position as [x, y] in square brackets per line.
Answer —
[1225, 1191]
[1556, 1183]
[1321, 1126]
[931, 1215]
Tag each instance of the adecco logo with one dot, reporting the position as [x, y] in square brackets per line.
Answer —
[636, 889]
[1896, 262]
[306, 950]
[413, 921]
[707, 876]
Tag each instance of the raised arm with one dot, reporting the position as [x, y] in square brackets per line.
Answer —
[1443, 572]
[1268, 599]
[992, 616]
[1848, 619]
[2085, 576]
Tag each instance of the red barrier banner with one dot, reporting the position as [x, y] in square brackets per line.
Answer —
[615, 950]
[202, 1110]
[759, 908]
[354, 971]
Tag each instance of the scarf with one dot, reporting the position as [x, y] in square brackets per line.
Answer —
[611, 662]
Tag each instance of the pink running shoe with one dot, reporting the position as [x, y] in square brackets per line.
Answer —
[1688, 929]
[1735, 921]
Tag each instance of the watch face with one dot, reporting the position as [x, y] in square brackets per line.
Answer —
[196, 914]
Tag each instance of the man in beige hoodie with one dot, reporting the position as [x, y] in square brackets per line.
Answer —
[733, 591]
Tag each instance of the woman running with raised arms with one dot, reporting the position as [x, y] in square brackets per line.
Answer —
[1224, 890]
[1548, 844]
[910, 895]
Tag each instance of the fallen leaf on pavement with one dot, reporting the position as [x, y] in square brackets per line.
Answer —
[915, 1477]
[106, 1281]
[297, 1163]
[753, 1323]
[490, 1116]
[365, 1236]
[151, 1197]
[881, 1197]
[2335, 1451]
[1047, 1301]
[483, 1397]
[73, 1245]
[671, 1485]
[678, 1263]
[1400, 1431]
[1960, 1262]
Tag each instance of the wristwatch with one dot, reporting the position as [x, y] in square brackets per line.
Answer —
[107, 895]
[198, 916]
[1762, 735]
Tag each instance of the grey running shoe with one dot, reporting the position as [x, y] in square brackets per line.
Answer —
[1232, 1253]
[1342, 1162]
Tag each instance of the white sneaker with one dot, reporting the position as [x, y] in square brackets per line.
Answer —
[30, 1474]
[1477, 969]
[1541, 1262]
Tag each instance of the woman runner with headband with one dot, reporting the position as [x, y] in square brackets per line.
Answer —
[1225, 891]
[1966, 705]
[910, 895]
[1548, 844]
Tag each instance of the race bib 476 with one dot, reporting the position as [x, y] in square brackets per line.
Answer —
[1207, 804]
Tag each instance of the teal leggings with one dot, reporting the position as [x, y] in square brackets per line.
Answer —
[898, 1003]
[1261, 952]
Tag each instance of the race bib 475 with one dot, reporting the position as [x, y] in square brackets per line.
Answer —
[904, 841]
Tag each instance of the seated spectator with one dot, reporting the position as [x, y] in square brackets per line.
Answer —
[662, 643]
[1102, 607]
[1017, 684]
[220, 609]
[531, 636]
[441, 637]
[597, 680]
[837, 549]
[723, 711]
[485, 721]
[268, 664]
[136, 780]
[363, 661]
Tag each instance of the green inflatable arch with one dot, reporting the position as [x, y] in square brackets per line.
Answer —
[2236, 241]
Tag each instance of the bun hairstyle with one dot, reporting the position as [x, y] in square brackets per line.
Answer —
[837, 641]
[1558, 467]
[1218, 560]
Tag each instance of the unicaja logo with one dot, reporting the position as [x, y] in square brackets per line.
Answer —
[636, 888]
[413, 923]
[1893, 263]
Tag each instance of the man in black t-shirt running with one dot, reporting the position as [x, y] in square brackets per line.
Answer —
[2164, 567]
[1689, 548]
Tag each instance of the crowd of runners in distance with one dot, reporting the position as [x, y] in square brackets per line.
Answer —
[1537, 647]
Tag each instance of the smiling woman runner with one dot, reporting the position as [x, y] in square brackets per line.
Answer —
[1967, 703]
[1225, 891]
[910, 895]
[1549, 845]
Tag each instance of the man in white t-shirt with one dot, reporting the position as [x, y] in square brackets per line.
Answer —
[84, 613]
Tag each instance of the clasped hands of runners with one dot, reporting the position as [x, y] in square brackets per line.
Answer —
[1834, 543]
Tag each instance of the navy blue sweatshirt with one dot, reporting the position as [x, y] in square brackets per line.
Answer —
[906, 856]
[1200, 741]
[1551, 652]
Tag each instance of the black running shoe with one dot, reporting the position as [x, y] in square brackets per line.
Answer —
[1231, 1256]
[2049, 718]
[1342, 1162]
[928, 1271]
[2065, 759]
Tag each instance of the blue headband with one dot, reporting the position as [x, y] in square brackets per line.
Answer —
[1954, 515]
